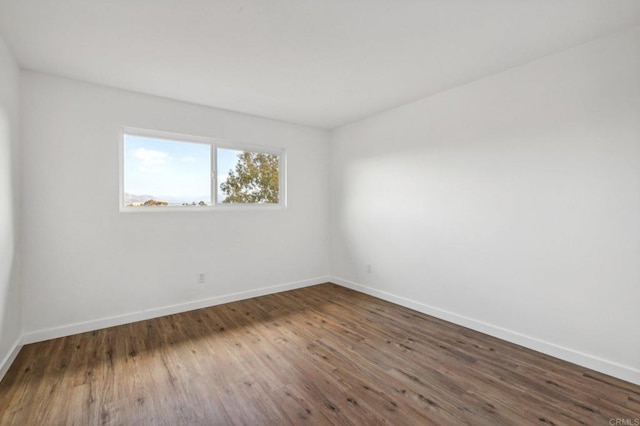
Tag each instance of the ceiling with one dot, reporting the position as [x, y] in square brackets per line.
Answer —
[321, 63]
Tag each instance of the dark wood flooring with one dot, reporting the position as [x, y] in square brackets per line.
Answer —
[318, 355]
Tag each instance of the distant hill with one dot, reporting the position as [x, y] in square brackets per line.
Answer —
[133, 198]
[173, 201]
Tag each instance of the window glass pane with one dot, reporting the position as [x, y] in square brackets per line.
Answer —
[248, 177]
[159, 172]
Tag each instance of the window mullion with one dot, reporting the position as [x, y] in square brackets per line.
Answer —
[214, 175]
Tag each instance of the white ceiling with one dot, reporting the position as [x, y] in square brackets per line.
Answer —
[322, 63]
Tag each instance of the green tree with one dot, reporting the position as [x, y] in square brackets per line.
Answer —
[254, 180]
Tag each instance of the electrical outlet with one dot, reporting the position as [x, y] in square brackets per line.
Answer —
[201, 278]
[369, 269]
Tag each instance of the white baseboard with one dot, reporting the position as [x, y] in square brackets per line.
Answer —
[611, 368]
[82, 327]
[10, 357]
[623, 372]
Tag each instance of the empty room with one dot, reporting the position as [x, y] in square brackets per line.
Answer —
[347, 212]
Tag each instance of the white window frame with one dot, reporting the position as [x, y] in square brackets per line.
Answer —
[214, 143]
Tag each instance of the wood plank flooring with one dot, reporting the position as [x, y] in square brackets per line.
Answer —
[318, 355]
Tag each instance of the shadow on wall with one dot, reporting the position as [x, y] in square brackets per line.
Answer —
[8, 260]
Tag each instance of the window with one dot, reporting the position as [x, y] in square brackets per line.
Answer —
[162, 171]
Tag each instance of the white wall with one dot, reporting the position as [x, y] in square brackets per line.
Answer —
[10, 328]
[85, 261]
[510, 205]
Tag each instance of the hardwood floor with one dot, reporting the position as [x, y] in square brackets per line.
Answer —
[318, 355]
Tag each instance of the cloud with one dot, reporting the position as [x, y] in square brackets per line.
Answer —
[151, 161]
[188, 159]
